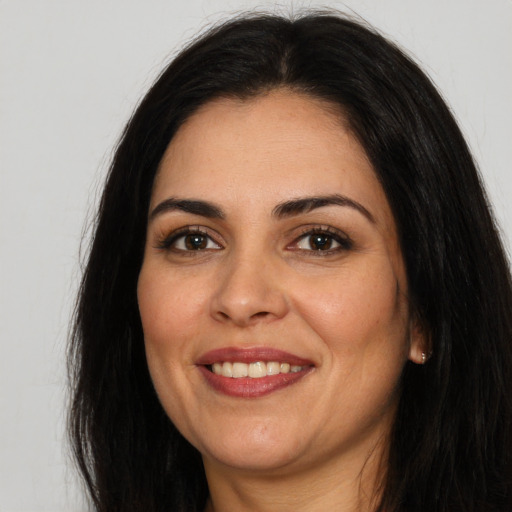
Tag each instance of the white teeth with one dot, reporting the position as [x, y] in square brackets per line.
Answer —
[227, 369]
[285, 368]
[254, 370]
[257, 370]
[240, 370]
[273, 368]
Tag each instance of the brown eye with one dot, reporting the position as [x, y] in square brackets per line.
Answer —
[195, 242]
[190, 241]
[318, 242]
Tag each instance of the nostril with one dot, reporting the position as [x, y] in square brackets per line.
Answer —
[260, 314]
[243, 319]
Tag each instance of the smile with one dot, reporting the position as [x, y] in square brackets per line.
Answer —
[255, 370]
[252, 372]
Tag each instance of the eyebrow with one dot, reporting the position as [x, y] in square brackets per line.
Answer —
[193, 206]
[307, 204]
[283, 210]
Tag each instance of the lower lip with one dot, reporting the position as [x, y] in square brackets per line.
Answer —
[247, 387]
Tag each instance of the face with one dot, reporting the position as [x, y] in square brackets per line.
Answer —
[273, 292]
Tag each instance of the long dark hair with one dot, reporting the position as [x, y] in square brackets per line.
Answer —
[451, 447]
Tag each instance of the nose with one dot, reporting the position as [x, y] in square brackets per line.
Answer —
[248, 293]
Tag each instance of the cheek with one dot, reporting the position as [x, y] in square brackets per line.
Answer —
[167, 309]
[170, 319]
[356, 309]
[171, 316]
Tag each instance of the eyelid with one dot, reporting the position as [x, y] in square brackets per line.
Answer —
[341, 238]
[165, 241]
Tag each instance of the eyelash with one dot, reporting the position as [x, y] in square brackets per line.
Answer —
[167, 242]
[344, 242]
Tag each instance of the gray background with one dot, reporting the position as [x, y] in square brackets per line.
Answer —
[70, 75]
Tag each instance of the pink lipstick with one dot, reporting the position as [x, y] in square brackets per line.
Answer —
[251, 372]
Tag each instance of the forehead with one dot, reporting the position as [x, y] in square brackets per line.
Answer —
[263, 131]
[267, 149]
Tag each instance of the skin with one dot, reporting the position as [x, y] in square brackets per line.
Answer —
[321, 443]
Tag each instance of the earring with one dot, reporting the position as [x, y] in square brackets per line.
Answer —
[423, 358]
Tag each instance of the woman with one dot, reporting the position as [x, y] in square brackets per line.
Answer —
[296, 297]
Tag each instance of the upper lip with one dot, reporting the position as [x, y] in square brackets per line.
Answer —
[250, 355]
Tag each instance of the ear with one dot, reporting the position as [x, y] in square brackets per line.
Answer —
[419, 345]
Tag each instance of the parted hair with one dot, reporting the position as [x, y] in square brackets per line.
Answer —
[451, 446]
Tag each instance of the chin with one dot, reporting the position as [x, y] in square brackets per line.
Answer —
[252, 461]
[259, 448]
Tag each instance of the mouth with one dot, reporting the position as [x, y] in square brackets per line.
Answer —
[254, 370]
[252, 373]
